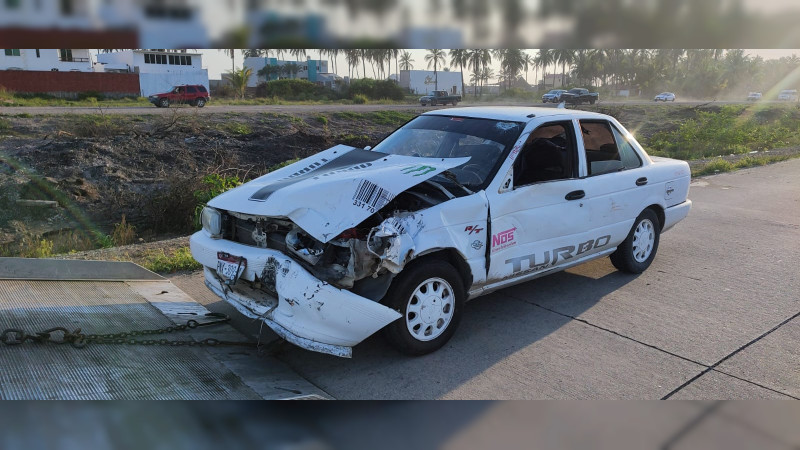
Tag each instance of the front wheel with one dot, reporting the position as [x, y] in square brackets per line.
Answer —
[430, 296]
[164, 103]
[455, 102]
[591, 102]
[636, 253]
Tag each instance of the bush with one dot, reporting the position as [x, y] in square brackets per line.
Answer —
[124, 233]
[294, 89]
[359, 99]
[214, 185]
[375, 89]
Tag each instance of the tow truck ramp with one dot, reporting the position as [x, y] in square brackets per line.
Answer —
[100, 297]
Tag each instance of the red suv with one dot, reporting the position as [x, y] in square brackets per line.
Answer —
[193, 94]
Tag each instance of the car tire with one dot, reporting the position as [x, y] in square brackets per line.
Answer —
[455, 103]
[200, 102]
[430, 296]
[163, 103]
[424, 104]
[637, 251]
[591, 102]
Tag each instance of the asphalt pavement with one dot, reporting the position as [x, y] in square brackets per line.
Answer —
[716, 316]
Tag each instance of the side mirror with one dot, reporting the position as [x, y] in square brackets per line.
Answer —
[369, 147]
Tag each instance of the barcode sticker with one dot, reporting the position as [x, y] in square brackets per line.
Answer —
[370, 196]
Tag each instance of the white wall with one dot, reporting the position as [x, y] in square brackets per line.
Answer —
[156, 83]
[48, 60]
[423, 81]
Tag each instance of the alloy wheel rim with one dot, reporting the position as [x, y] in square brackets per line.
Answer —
[644, 238]
[430, 309]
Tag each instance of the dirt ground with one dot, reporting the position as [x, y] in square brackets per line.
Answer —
[60, 173]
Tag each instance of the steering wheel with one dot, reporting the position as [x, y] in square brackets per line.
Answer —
[472, 170]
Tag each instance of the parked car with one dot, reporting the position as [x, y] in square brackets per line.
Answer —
[192, 94]
[554, 96]
[788, 95]
[337, 246]
[577, 96]
[439, 98]
[753, 96]
[665, 97]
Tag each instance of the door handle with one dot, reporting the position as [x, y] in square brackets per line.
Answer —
[575, 195]
[641, 181]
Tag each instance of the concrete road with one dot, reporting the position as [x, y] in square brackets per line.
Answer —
[715, 317]
[211, 108]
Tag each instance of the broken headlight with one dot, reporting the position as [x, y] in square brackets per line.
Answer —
[212, 222]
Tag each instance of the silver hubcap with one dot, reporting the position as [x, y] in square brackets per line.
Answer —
[430, 309]
[644, 237]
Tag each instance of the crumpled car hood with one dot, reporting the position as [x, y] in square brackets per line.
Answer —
[333, 190]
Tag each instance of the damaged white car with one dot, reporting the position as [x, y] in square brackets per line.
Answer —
[455, 204]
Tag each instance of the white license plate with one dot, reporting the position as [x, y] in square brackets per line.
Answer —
[230, 267]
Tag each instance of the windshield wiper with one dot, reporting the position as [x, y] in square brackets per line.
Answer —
[452, 177]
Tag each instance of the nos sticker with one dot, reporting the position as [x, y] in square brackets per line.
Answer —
[504, 239]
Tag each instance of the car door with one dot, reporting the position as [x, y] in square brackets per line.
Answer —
[538, 217]
[614, 182]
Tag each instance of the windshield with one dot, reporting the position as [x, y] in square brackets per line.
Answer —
[555, 91]
[483, 140]
[575, 91]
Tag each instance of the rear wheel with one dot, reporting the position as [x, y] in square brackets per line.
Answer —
[200, 102]
[430, 296]
[636, 253]
[164, 103]
[591, 102]
[455, 102]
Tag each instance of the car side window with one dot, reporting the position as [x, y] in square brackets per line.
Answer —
[630, 160]
[191, 90]
[602, 153]
[548, 155]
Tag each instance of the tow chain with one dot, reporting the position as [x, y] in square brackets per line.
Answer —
[16, 336]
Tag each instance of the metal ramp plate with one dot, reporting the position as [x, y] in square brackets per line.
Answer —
[113, 371]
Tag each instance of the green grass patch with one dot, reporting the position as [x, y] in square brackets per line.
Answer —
[321, 119]
[179, 260]
[237, 128]
[732, 129]
[283, 164]
[393, 118]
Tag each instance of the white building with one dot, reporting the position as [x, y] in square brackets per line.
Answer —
[46, 59]
[162, 23]
[159, 70]
[313, 70]
[425, 81]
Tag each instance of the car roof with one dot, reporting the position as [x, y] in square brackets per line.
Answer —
[512, 113]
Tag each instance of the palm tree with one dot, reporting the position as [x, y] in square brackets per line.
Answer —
[436, 56]
[239, 79]
[363, 53]
[231, 52]
[254, 52]
[298, 53]
[544, 59]
[528, 62]
[460, 57]
[565, 57]
[352, 56]
[406, 61]
[478, 59]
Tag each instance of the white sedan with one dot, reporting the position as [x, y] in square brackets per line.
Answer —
[455, 204]
[665, 97]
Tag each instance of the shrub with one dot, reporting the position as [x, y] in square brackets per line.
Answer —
[359, 99]
[214, 185]
[293, 89]
[180, 260]
[124, 233]
[375, 89]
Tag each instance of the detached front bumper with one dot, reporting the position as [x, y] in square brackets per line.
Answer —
[307, 312]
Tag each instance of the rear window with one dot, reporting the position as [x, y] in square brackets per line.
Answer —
[201, 88]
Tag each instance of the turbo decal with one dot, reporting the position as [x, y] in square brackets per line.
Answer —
[550, 258]
[503, 239]
[421, 169]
